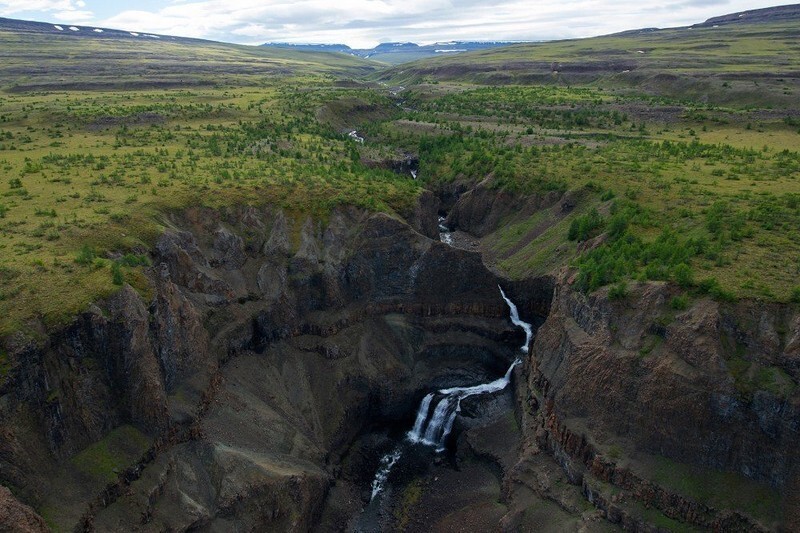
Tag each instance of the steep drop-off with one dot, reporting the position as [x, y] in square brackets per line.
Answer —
[684, 416]
[255, 385]
[227, 397]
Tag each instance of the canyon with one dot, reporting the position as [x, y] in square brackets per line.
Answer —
[259, 381]
[546, 287]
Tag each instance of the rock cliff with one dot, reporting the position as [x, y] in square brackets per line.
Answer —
[226, 397]
[247, 387]
[614, 384]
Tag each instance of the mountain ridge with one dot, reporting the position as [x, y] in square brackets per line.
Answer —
[399, 51]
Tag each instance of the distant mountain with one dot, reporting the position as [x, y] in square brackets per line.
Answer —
[334, 48]
[767, 14]
[398, 52]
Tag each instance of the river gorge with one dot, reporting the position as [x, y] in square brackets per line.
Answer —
[278, 363]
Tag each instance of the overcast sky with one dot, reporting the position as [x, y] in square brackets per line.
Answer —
[365, 23]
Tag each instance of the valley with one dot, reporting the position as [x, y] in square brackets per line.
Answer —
[545, 287]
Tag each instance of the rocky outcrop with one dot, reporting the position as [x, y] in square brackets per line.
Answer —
[425, 215]
[713, 386]
[481, 210]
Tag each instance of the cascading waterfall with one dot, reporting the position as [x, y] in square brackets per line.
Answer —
[517, 322]
[387, 462]
[445, 235]
[422, 414]
[435, 427]
[438, 410]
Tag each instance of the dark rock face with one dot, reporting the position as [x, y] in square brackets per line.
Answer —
[268, 344]
[665, 384]
[660, 381]
[481, 210]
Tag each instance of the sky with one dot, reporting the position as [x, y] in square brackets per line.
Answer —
[366, 23]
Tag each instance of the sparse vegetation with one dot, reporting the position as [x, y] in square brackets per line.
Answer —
[105, 459]
[688, 195]
[628, 158]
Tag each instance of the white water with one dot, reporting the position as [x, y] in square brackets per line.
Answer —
[445, 235]
[387, 462]
[433, 428]
[354, 135]
[422, 414]
[517, 322]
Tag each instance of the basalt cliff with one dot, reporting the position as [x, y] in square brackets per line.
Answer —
[256, 382]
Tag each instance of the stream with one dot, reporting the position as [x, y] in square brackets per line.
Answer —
[445, 235]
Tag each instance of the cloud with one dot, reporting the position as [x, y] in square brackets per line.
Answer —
[365, 23]
[73, 16]
[64, 10]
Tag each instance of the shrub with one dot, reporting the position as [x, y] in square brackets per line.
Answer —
[618, 291]
[133, 260]
[585, 226]
[608, 195]
[85, 255]
[618, 225]
[680, 303]
[683, 275]
[116, 274]
[712, 287]
[795, 297]
[707, 285]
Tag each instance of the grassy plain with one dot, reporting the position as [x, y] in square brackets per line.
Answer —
[741, 64]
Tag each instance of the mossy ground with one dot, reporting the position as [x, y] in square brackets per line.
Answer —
[106, 458]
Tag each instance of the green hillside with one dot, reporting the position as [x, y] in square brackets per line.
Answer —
[691, 155]
[680, 145]
[32, 61]
[755, 64]
[99, 138]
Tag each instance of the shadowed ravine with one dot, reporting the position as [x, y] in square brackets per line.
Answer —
[438, 411]
[267, 382]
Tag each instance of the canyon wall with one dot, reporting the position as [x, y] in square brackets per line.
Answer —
[613, 381]
[226, 397]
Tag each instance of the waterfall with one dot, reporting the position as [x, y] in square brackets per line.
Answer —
[517, 322]
[422, 416]
[445, 235]
[431, 428]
